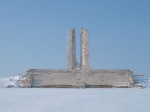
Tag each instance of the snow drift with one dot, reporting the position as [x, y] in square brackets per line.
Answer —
[9, 81]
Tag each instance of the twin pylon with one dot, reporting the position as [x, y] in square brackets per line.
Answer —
[72, 63]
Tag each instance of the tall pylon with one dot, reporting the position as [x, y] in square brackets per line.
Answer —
[84, 47]
[71, 50]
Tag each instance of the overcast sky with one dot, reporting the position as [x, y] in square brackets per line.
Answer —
[33, 34]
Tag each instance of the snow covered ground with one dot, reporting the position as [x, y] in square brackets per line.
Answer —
[74, 100]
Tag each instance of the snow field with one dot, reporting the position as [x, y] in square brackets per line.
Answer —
[74, 100]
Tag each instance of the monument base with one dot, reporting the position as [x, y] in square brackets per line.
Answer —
[47, 78]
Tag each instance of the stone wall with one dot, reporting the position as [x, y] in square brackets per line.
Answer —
[95, 78]
[110, 78]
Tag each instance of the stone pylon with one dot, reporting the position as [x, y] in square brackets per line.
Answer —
[84, 51]
[85, 55]
[71, 50]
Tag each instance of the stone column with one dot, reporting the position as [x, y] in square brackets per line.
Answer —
[85, 55]
[71, 50]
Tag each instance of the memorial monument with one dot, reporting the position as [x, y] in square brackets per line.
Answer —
[79, 74]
